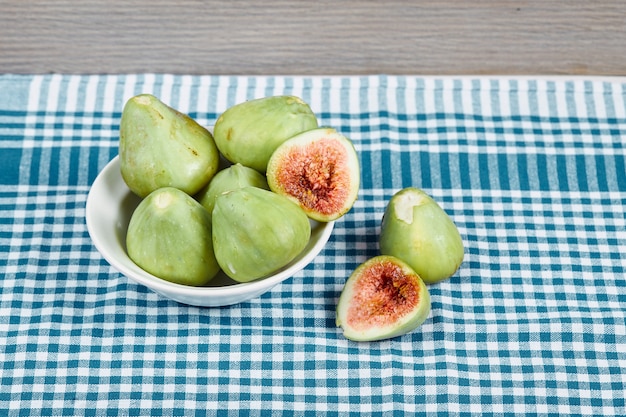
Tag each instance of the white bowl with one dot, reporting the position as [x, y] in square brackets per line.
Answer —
[110, 205]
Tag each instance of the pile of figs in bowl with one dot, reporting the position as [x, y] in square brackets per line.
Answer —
[217, 217]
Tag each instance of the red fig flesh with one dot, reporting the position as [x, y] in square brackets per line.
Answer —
[319, 170]
[382, 299]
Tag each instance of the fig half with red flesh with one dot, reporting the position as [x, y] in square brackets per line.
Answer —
[319, 170]
[383, 298]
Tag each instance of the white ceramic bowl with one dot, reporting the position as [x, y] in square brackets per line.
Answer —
[110, 205]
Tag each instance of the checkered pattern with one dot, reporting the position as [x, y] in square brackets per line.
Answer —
[534, 322]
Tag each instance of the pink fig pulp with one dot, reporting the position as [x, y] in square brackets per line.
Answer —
[383, 298]
[319, 170]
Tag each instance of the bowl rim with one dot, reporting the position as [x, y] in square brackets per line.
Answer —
[163, 286]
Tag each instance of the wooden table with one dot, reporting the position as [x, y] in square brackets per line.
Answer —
[314, 37]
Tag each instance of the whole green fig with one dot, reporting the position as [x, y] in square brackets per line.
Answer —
[257, 232]
[229, 179]
[161, 147]
[250, 131]
[416, 230]
[169, 236]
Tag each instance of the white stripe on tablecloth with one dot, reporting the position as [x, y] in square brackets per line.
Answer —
[184, 95]
[130, 85]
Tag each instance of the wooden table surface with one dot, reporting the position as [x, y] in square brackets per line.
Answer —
[314, 37]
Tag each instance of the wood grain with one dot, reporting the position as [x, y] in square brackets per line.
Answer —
[314, 37]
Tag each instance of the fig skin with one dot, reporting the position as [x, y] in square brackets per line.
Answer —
[229, 179]
[169, 236]
[319, 170]
[250, 131]
[418, 231]
[257, 232]
[161, 147]
[383, 298]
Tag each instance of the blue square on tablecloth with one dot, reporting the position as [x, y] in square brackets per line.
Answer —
[10, 166]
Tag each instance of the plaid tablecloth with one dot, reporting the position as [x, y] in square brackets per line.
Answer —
[532, 170]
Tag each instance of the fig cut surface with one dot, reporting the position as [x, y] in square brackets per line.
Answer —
[319, 170]
[382, 299]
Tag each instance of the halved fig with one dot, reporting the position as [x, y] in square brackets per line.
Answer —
[418, 231]
[319, 170]
[382, 299]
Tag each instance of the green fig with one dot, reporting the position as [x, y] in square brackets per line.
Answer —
[161, 147]
[257, 232]
[418, 231]
[169, 236]
[250, 131]
[383, 298]
[319, 170]
[228, 179]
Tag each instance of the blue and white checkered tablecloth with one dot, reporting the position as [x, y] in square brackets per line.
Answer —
[532, 170]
